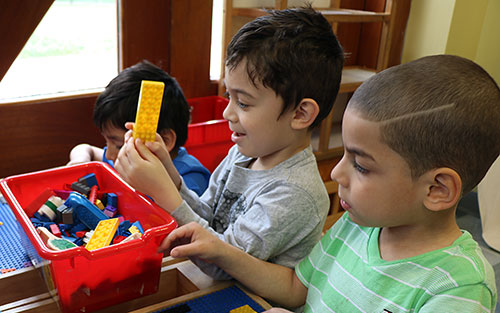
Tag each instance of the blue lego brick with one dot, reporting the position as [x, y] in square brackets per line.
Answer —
[112, 199]
[84, 210]
[12, 252]
[89, 180]
[221, 301]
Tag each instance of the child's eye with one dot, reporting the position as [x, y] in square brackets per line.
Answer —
[242, 105]
[226, 95]
[359, 168]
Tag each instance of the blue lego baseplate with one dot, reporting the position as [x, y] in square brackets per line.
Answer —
[12, 253]
[221, 301]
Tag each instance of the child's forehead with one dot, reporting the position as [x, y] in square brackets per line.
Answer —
[110, 130]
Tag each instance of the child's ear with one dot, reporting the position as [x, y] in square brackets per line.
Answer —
[169, 138]
[444, 189]
[305, 113]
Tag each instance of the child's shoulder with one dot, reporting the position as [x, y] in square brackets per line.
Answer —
[467, 260]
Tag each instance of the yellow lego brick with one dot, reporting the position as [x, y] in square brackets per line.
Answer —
[99, 204]
[132, 229]
[243, 309]
[148, 110]
[103, 234]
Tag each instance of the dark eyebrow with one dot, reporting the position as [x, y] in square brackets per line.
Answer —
[239, 91]
[360, 153]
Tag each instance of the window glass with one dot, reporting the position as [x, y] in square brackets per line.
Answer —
[74, 48]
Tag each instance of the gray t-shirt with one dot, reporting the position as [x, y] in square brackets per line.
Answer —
[275, 215]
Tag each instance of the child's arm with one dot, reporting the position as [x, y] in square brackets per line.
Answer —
[271, 281]
[146, 173]
[84, 153]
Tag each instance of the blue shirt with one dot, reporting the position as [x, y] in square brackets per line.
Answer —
[194, 174]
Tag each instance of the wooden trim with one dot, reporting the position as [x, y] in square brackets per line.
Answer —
[18, 20]
[40, 134]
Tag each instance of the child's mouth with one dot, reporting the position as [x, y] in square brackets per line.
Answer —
[345, 205]
[235, 136]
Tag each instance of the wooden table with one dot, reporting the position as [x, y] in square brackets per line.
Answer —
[25, 291]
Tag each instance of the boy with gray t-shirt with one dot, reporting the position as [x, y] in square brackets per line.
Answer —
[282, 75]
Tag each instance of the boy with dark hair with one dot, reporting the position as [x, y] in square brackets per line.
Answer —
[417, 137]
[117, 105]
[267, 196]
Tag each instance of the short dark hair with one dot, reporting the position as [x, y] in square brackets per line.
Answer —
[437, 111]
[117, 104]
[295, 53]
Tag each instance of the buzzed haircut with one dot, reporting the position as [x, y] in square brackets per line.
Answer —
[437, 111]
[293, 52]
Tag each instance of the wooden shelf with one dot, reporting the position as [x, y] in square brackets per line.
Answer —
[332, 15]
[353, 77]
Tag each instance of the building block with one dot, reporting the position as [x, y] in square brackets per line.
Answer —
[148, 110]
[221, 301]
[65, 214]
[93, 193]
[99, 204]
[112, 199]
[81, 188]
[90, 180]
[243, 309]
[7, 270]
[12, 252]
[110, 211]
[103, 234]
[84, 210]
[49, 208]
[54, 229]
[132, 237]
[60, 244]
[38, 202]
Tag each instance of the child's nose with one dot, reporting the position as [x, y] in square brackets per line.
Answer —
[111, 153]
[338, 174]
[228, 113]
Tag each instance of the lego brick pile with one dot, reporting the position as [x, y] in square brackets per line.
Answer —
[79, 214]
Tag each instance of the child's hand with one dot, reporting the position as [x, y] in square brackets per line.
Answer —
[192, 240]
[145, 172]
[277, 310]
[160, 150]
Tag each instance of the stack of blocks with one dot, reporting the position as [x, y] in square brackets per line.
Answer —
[85, 220]
[148, 110]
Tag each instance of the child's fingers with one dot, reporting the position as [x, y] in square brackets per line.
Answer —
[127, 136]
[144, 151]
[129, 125]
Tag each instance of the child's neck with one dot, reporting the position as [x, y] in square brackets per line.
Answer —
[396, 243]
[269, 161]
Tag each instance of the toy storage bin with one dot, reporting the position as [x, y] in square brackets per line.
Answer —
[85, 280]
[209, 136]
[207, 108]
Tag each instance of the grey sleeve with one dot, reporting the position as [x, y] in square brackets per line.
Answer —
[281, 226]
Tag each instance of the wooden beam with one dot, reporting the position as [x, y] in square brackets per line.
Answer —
[18, 20]
[144, 32]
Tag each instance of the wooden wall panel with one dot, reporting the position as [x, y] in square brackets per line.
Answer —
[190, 46]
[175, 35]
[39, 135]
[144, 32]
[18, 20]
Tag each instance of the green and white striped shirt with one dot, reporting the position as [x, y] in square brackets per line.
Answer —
[344, 273]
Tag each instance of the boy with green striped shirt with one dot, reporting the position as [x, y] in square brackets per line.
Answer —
[417, 137]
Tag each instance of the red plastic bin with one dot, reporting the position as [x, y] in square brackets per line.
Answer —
[209, 136]
[90, 280]
[207, 108]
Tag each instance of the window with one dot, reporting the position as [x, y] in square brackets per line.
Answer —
[73, 49]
